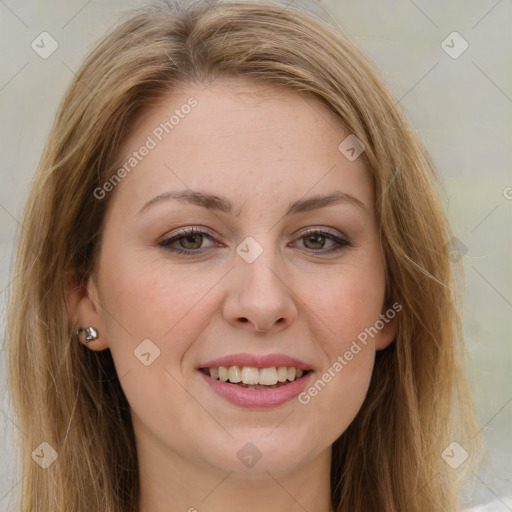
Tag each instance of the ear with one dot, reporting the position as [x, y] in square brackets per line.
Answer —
[388, 332]
[84, 309]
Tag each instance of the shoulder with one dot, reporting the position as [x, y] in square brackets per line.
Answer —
[495, 506]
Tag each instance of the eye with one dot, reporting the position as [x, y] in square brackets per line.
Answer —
[189, 241]
[315, 240]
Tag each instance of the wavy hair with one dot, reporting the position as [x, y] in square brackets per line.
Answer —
[389, 458]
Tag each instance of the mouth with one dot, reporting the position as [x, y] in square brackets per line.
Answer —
[251, 377]
[256, 381]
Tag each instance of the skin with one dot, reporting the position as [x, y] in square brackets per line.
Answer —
[261, 148]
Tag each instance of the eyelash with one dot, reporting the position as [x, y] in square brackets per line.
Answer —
[342, 243]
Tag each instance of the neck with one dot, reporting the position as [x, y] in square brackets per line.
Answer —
[170, 483]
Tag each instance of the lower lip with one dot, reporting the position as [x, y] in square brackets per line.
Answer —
[257, 398]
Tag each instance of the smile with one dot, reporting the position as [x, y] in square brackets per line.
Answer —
[250, 377]
[256, 382]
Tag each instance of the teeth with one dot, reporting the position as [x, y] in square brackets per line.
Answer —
[268, 376]
[223, 373]
[252, 376]
[282, 374]
[234, 374]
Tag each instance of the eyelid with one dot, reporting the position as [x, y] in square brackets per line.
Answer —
[187, 230]
[340, 240]
[203, 229]
[322, 229]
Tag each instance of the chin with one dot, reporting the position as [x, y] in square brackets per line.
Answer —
[254, 453]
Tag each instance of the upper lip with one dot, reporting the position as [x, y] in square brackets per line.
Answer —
[258, 361]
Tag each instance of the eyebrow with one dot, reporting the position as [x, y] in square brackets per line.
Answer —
[214, 202]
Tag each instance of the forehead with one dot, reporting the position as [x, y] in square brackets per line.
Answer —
[240, 139]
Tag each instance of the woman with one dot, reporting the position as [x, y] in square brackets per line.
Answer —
[234, 286]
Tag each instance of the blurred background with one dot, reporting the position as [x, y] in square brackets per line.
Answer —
[449, 65]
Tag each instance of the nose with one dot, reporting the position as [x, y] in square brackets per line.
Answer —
[260, 298]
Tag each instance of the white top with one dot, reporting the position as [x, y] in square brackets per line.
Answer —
[503, 505]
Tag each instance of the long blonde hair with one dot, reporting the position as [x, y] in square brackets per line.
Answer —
[389, 459]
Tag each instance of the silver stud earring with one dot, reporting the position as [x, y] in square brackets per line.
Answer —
[90, 333]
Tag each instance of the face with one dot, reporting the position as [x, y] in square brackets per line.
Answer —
[272, 276]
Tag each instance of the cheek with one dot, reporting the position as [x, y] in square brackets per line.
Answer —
[337, 394]
[153, 299]
[348, 302]
[349, 310]
[152, 307]
[339, 388]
